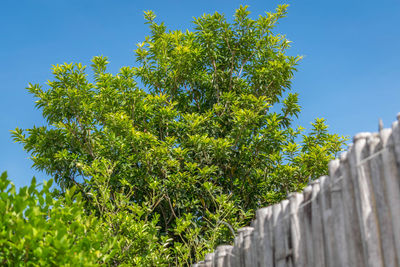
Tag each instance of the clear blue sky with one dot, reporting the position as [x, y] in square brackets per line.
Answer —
[349, 75]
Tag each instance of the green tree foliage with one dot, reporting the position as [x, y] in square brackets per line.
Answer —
[42, 228]
[208, 140]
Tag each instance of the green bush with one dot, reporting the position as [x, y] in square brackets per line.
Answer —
[43, 228]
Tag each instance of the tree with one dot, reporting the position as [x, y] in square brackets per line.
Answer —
[207, 141]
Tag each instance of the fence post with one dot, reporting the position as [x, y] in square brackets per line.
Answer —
[376, 165]
[326, 208]
[336, 193]
[264, 245]
[208, 259]
[306, 220]
[317, 225]
[391, 171]
[238, 249]
[287, 233]
[354, 245]
[199, 264]
[221, 255]
[278, 243]
[247, 255]
[365, 200]
[298, 250]
[281, 224]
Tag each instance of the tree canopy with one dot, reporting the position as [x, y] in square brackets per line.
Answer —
[201, 130]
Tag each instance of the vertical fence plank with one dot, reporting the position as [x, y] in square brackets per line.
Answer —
[305, 216]
[392, 175]
[255, 236]
[237, 260]
[298, 250]
[354, 244]
[326, 210]
[287, 233]
[281, 217]
[221, 255]
[233, 257]
[391, 171]
[336, 193]
[316, 225]
[278, 240]
[396, 139]
[379, 187]
[248, 258]
[365, 198]
[264, 240]
[208, 259]
[228, 257]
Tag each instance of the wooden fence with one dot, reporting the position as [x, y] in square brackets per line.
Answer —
[349, 218]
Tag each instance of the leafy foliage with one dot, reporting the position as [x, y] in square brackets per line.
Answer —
[42, 228]
[209, 140]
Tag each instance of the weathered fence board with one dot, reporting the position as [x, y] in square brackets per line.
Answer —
[365, 198]
[306, 225]
[278, 244]
[339, 246]
[349, 218]
[208, 259]
[295, 230]
[264, 218]
[391, 168]
[286, 233]
[352, 227]
[316, 226]
[382, 204]
[220, 257]
[326, 214]
[248, 257]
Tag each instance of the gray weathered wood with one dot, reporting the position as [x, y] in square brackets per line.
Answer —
[264, 243]
[248, 258]
[326, 213]
[298, 250]
[354, 244]
[305, 216]
[285, 210]
[393, 180]
[391, 174]
[199, 264]
[255, 236]
[365, 199]
[220, 257]
[339, 250]
[281, 234]
[208, 259]
[278, 239]
[376, 166]
[253, 249]
[316, 226]
[228, 257]
[231, 258]
[237, 259]
[396, 140]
